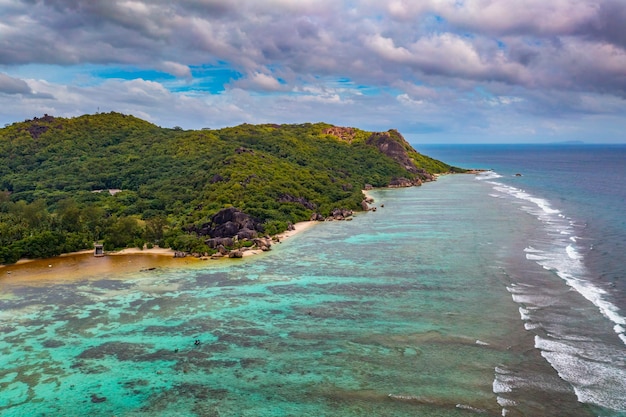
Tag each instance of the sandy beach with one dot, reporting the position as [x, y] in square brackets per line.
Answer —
[83, 265]
[297, 228]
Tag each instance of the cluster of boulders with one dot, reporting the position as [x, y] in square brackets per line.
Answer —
[316, 217]
[404, 182]
[365, 204]
[340, 214]
[228, 223]
[336, 214]
[35, 129]
[261, 243]
[227, 229]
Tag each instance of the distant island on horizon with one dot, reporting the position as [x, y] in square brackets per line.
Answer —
[66, 183]
[568, 142]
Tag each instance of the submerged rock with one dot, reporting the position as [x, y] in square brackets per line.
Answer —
[96, 399]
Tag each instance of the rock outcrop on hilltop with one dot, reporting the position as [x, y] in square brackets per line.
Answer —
[393, 144]
[344, 133]
[391, 147]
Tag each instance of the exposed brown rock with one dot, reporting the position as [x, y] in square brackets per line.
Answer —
[264, 243]
[241, 150]
[216, 242]
[246, 233]
[229, 222]
[316, 217]
[340, 214]
[344, 133]
[40, 125]
[404, 182]
[392, 144]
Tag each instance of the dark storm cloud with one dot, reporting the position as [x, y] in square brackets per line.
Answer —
[10, 85]
[15, 86]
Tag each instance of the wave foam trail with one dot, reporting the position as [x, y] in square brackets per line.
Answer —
[593, 364]
[560, 254]
[572, 253]
[594, 380]
[488, 175]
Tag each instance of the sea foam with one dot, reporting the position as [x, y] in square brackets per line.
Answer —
[593, 368]
[563, 257]
[593, 378]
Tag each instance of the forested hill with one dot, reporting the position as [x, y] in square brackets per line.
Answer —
[60, 179]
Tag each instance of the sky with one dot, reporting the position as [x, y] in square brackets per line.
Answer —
[439, 71]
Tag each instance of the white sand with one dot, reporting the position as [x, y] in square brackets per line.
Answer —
[81, 265]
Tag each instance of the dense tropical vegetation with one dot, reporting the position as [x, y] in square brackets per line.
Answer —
[65, 183]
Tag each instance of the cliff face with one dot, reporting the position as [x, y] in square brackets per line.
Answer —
[393, 144]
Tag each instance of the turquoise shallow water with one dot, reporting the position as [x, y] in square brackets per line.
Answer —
[415, 309]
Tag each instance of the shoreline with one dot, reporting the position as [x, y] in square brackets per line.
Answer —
[166, 253]
[126, 251]
[83, 264]
[297, 228]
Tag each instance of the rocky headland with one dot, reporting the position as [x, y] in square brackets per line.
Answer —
[209, 193]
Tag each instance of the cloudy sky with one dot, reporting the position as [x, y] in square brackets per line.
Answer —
[437, 70]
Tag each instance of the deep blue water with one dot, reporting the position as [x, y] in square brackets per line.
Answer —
[496, 294]
[578, 195]
[587, 183]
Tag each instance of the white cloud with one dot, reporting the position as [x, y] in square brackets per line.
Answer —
[407, 100]
[534, 60]
[447, 54]
[386, 49]
[259, 82]
[175, 69]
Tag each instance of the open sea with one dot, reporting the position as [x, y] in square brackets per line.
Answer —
[491, 294]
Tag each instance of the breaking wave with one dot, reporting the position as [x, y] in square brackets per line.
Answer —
[596, 370]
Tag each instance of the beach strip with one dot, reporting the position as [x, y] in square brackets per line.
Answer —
[84, 265]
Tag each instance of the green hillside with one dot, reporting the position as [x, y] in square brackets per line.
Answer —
[57, 177]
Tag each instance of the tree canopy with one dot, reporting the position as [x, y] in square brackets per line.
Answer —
[67, 182]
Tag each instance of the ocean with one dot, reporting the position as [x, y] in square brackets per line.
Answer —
[494, 294]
